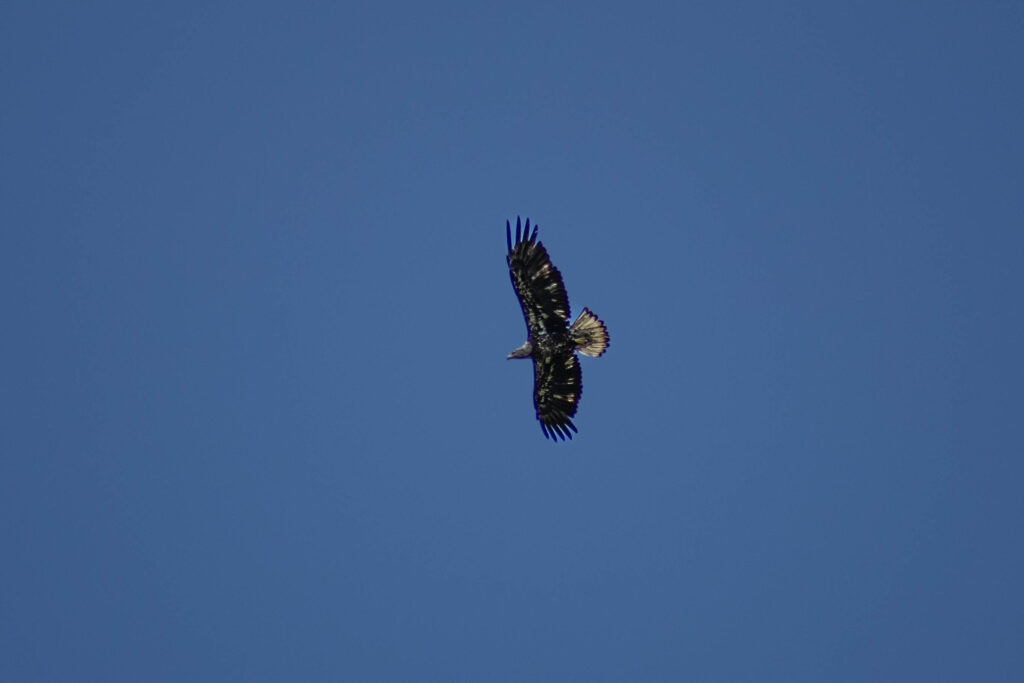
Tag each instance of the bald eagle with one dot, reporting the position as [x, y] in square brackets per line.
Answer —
[552, 343]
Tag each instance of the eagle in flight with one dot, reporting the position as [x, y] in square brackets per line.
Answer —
[552, 342]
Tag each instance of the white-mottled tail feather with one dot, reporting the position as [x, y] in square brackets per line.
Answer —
[589, 334]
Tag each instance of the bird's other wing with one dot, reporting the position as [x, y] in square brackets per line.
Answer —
[557, 387]
[537, 282]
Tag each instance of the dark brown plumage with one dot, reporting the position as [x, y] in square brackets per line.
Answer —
[552, 343]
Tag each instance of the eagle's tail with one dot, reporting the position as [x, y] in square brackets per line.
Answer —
[589, 334]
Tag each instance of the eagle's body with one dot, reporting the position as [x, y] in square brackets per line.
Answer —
[552, 342]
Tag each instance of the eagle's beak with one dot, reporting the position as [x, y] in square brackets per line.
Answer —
[522, 352]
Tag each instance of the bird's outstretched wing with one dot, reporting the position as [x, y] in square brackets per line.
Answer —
[537, 282]
[557, 386]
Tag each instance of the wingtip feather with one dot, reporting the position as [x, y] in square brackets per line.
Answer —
[559, 431]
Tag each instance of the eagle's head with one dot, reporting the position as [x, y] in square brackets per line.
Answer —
[523, 351]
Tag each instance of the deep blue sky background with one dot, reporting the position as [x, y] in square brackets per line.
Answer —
[257, 421]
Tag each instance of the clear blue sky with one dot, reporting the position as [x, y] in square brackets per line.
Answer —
[257, 420]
